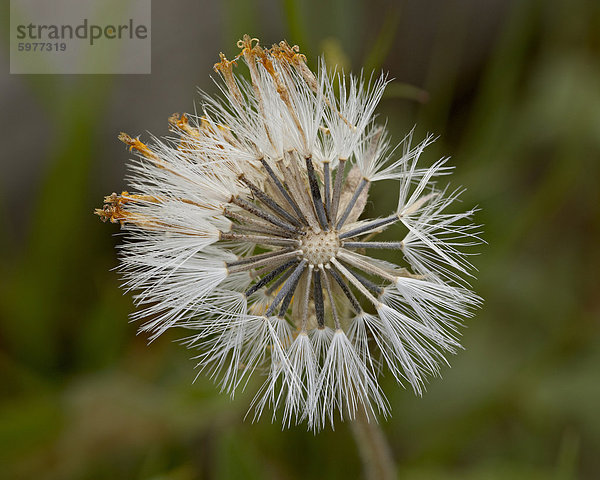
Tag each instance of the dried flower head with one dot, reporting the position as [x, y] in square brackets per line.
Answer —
[247, 233]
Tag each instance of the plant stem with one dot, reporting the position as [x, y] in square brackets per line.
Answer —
[373, 447]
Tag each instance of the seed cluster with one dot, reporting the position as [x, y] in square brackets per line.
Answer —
[319, 248]
[246, 233]
[306, 218]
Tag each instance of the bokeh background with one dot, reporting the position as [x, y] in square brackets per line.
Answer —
[513, 90]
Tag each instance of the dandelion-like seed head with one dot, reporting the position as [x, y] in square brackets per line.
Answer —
[246, 232]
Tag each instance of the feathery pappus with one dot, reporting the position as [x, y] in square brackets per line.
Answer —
[246, 232]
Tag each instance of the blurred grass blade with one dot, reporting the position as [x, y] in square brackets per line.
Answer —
[399, 90]
[384, 41]
[295, 25]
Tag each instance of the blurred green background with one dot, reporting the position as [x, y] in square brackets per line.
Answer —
[513, 90]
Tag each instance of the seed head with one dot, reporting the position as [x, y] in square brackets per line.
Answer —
[246, 232]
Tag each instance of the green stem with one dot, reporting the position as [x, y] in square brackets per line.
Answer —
[373, 447]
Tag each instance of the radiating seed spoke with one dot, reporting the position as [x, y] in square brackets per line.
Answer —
[260, 256]
[318, 297]
[316, 193]
[288, 286]
[336, 320]
[373, 287]
[327, 189]
[285, 304]
[236, 227]
[253, 263]
[361, 186]
[305, 299]
[375, 245]
[254, 210]
[298, 190]
[337, 189]
[361, 262]
[353, 279]
[367, 227]
[270, 203]
[257, 225]
[340, 281]
[284, 192]
[260, 239]
[269, 276]
[277, 283]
